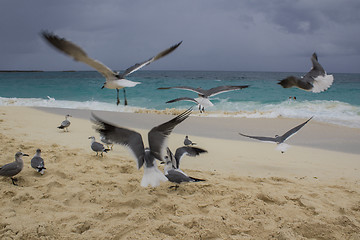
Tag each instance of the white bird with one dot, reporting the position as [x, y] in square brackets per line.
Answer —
[114, 80]
[279, 140]
[144, 156]
[37, 162]
[65, 124]
[315, 81]
[203, 100]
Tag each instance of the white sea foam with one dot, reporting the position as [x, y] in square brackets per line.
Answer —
[334, 112]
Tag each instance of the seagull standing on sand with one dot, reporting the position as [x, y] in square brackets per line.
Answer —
[114, 80]
[188, 142]
[97, 147]
[65, 124]
[38, 163]
[172, 164]
[203, 100]
[315, 81]
[144, 156]
[280, 139]
[11, 169]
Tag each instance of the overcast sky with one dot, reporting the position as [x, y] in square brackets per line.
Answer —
[235, 35]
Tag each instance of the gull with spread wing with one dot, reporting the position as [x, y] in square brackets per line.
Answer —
[203, 100]
[114, 80]
[315, 81]
[279, 140]
[146, 157]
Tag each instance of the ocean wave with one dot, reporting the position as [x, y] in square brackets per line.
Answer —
[334, 112]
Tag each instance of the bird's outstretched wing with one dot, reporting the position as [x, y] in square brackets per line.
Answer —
[78, 54]
[122, 136]
[294, 130]
[197, 90]
[137, 66]
[221, 89]
[263, 139]
[158, 135]
[316, 70]
[183, 99]
[190, 151]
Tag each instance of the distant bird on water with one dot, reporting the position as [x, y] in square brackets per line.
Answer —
[97, 147]
[65, 124]
[13, 168]
[280, 139]
[114, 80]
[188, 142]
[315, 81]
[37, 162]
[144, 156]
[203, 100]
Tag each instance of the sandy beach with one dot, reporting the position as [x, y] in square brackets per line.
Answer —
[252, 191]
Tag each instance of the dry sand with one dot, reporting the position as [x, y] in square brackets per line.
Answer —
[252, 191]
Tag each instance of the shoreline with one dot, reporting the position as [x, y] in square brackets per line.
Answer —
[314, 135]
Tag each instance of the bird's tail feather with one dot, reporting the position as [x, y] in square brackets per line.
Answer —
[152, 176]
[197, 179]
[61, 127]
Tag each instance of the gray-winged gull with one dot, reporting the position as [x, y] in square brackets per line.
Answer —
[172, 164]
[188, 142]
[65, 124]
[13, 168]
[315, 81]
[280, 139]
[203, 100]
[114, 80]
[157, 138]
[37, 162]
[97, 147]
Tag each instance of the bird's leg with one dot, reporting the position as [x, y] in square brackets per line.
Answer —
[14, 180]
[117, 97]
[97, 153]
[101, 154]
[175, 187]
[125, 97]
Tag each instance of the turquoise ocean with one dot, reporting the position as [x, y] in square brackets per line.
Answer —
[340, 104]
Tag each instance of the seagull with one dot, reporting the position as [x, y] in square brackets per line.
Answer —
[97, 147]
[280, 139]
[172, 163]
[203, 100]
[114, 80]
[65, 124]
[188, 142]
[144, 156]
[38, 163]
[13, 168]
[315, 81]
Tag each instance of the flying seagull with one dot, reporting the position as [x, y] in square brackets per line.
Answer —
[97, 147]
[188, 142]
[114, 80]
[13, 168]
[65, 124]
[279, 139]
[37, 162]
[144, 156]
[315, 81]
[203, 100]
[172, 164]
[107, 142]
